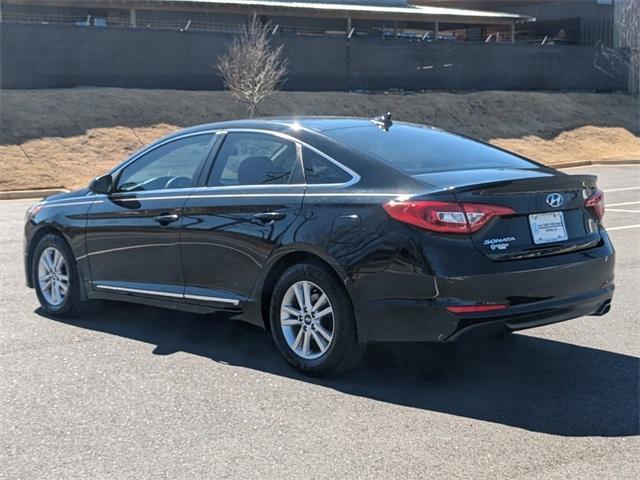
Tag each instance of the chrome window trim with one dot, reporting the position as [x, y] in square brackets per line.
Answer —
[355, 178]
[403, 196]
[168, 294]
[143, 194]
[250, 187]
[223, 188]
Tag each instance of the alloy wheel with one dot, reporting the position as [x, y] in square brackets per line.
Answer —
[53, 276]
[306, 319]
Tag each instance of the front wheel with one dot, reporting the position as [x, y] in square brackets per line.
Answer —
[312, 321]
[55, 277]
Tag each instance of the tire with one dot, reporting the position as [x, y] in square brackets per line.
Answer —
[54, 299]
[313, 341]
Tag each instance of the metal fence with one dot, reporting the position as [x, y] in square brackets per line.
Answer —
[204, 23]
[46, 56]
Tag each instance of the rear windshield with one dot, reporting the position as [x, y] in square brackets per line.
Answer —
[418, 150]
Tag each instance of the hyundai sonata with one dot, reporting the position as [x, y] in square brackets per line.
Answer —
[330, 233]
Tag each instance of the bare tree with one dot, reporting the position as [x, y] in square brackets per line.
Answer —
[252, 69]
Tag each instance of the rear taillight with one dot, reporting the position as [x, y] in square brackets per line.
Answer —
[596, 201]
[447, 217]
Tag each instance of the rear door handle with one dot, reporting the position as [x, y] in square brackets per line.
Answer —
[166, 219]
[268, 217]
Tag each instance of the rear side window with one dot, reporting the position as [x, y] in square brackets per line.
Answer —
[418, 150]
[319, 170]
[253, 159]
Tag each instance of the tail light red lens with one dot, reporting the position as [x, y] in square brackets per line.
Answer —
[447, 217]
[462, 309]
[596, 201]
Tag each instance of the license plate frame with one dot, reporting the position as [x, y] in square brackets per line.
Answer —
[548, 227]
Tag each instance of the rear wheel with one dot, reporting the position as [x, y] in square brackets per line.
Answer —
[55, 277]
[312, 321]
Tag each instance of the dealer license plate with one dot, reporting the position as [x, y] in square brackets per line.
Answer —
[548, 227]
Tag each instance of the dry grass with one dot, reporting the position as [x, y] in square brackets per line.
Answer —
[589, 143]
[51, 138]
[71, 162]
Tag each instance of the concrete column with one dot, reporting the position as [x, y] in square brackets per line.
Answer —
[132, 17]
[348, 25]
[513, 32]
[436, 30]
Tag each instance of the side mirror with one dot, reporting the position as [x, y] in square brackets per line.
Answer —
[101, 184]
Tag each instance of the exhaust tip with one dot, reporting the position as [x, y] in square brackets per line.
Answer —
[603, 309]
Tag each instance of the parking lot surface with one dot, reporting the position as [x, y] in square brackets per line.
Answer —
[136, 392]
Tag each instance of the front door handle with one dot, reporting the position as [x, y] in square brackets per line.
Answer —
[269, 217]
[166, 219]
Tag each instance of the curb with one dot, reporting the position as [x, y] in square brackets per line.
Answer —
[30, 194]
[601, 163]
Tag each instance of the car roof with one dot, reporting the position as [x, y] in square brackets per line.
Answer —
[315, 131]
[317, 124]
[293, 125]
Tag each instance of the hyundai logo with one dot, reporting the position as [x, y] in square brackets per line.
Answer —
[555, 200]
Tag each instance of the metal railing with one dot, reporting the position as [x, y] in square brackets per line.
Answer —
[53, 19]
[203, 25]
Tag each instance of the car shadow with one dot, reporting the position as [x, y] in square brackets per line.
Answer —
[522, 381]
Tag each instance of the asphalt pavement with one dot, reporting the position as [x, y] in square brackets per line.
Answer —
[135, 392]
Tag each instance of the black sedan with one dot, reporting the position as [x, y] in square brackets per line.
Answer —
[330, 233]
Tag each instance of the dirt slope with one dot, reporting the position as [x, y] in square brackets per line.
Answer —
[64, 137]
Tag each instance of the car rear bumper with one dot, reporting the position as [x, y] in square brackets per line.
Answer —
[538, 314]
[413, 321]
[560, 289]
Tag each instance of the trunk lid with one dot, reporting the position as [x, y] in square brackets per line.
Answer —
[550, 216]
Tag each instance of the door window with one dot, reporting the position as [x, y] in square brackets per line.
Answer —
[253, 159]
[173, 165]
[319, 170]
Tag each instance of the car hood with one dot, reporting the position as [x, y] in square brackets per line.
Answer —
[83, 192]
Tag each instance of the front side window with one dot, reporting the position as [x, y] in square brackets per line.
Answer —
[173, 165]
[253, 159]
[319, 170]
